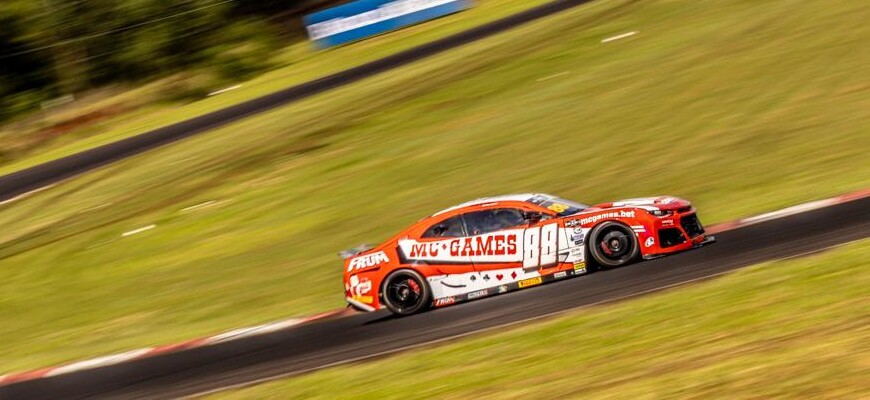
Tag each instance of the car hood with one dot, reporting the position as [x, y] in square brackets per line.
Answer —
[650, 203]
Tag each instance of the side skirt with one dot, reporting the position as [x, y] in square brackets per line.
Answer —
[509, 287]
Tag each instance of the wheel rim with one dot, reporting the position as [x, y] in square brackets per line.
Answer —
[615, 244]
[404, 292]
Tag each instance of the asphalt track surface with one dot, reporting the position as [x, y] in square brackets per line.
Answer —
[361, 336]
[53, 171]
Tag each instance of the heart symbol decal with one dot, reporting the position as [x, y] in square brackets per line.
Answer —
[499, 276]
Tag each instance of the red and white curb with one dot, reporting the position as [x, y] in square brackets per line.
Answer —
[165, 349]
[800, 208]
[285, 324]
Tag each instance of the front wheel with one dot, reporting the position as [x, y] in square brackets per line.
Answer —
[405, 292]
[613, 244]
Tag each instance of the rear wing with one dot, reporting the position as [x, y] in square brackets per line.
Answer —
[345, 254]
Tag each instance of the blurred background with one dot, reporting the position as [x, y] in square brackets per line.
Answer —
[743, 107]
[54, 51]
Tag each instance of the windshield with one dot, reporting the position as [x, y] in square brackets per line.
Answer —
[562, 207]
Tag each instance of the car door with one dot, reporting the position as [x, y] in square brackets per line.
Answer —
[505, 238]
[436, 251]
[495, 237]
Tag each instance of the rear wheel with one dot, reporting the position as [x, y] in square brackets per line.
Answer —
[405, 292]
[613, 244]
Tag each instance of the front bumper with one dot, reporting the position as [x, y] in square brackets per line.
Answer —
[679, 232]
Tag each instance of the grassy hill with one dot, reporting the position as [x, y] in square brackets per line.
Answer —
[740, 106]
[775, 330]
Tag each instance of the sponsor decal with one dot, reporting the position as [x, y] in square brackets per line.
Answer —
[579, 268]
[560, 274]
[367, 261]
[558, 207]
[578, 237]
[425, 249]
[363, 299]
[445, 301]
[358, 287]
[364, 18]
[502, 246]
[536, 247]
[477, 294]
[561, 207]
[572, 223]
[490, 245]
[667, 200]
[610, 214]
[649, 242]
[529, 282]
[667, 222]
[502, 289]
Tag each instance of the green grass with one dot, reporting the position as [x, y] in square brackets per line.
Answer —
[740, 106]
[296, 64]
[776, 330]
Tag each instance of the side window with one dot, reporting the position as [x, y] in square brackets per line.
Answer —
[486, 221]
[450, 227]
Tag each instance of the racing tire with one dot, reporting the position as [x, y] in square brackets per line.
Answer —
[613, 244]
[406, 292]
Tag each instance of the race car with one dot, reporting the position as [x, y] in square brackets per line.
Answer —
[499, 244]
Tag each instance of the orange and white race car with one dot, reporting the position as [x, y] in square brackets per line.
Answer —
[495, 245]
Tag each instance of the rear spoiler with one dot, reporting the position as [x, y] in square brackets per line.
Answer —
[345, 254]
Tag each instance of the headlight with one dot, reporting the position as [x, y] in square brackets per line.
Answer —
[660, 213]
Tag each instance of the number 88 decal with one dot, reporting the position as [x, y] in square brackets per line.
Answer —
[540, 246]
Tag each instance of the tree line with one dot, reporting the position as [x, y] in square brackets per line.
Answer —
[51, 48]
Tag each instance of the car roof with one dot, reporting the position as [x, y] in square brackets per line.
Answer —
[494, 199]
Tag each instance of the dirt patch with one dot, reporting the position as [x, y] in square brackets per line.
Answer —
[13, 146]
[81, 121]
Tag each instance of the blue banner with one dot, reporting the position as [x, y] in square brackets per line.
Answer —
[363, 18]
